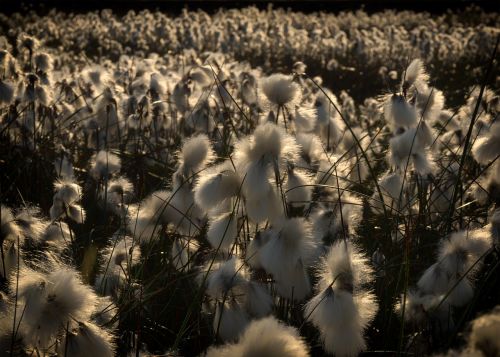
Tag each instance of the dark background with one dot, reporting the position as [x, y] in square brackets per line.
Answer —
[433, 6]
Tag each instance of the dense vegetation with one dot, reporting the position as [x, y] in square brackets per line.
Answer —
[264, 183]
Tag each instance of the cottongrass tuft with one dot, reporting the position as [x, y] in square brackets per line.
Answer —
[460, 257]
[196, 152]
[162, 208]
[222, 231]
[289, 251]
[227, 279]
[230, 320]
[484, 334]
[57, 235]
[11, 238]
[409, 148]
[215, 185]
[258, 301]
[117, 260]
[419, 308]
[448, 282]
[31, 224]
[119, 194]
[414, 75]
[487, 147]
[264, 338]
[50, 302]
[87, 339]
[26, 41]
[64, 168]
[182, 254]
[280, 90]
[64, 204]
[43, 62]
[104, 164]
[253, 251]
[399, 113]
[343, 305]
[298, 188]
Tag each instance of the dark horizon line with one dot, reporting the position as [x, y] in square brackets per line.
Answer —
[433, 6]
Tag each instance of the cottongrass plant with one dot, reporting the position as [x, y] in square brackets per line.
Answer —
[192, 204]
[265, 337]
[343, 305]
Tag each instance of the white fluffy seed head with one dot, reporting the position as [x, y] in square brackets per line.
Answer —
[423, 163]
[487, 147]
[52, 301]
[203, 76]
[330, 126]
[258, 301]
[272, 143]
[459, 258]
[216, 185]
[43, 62]
[418, 307]
[11, 238]
[106, 313]
[227, 278]
[399, 113]
[415, 74]
[30, 222]
[57, 236]
[182, 253]
[434, 280]
[68, 191]
[345, 267]
[119, 194]
[463, 250]
[325, 104]
[262, 208]
[254, 248]
[265, 337]
[87, 339]
[331, 221]
[96, 75]
[64, 169]
[341, 318]
[311, 148]
[222, 231]
[430, 102]
[104, 164]
[290, 248]
[230, 320]
[484, 334]
[61, 210]
[280, 90]
[305, 119]
[157, 84]
[391, 187]
[9, 230]
[425, 134]
[295, 285]
[123, 252]
[347, 341]
[25, 41]
[160, 209]
[298, 188]
[409, 148]
[195, 153]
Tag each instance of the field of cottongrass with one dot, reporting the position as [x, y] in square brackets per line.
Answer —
[249, 183]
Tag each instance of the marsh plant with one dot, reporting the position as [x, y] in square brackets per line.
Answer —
[186, 186]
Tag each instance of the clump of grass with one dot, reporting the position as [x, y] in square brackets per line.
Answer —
[192, 204]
